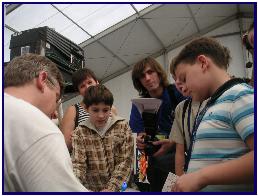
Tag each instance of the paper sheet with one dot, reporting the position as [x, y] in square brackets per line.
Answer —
[170, 182]
[147, 104]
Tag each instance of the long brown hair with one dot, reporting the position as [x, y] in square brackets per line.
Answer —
[138, 70]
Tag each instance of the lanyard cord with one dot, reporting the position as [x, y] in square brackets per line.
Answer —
[188, 103]
[192, 135]
[188, 120]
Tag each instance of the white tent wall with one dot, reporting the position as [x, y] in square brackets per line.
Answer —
[123, 91]
[122, 87]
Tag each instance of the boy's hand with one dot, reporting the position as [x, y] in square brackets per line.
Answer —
[191, 182]
[166, 144]
[140, 141]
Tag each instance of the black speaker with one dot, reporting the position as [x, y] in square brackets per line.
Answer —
[47, 42]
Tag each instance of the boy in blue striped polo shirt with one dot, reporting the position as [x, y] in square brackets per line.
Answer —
[222, 149]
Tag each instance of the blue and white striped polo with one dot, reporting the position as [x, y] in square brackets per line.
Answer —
[222, 133]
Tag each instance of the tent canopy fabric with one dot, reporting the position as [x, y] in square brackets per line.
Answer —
[115, 36]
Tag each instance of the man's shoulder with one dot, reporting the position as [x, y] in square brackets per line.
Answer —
[18, 106]
[25, 125]
[23, 114]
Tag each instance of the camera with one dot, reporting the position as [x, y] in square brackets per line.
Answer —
[150, 126]
[150, 149]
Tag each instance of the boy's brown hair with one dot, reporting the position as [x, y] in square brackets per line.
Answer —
[98, 94]
[202, 46]
[80, 75]
[137, 73]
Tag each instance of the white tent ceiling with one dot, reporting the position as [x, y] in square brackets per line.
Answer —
[115, 36]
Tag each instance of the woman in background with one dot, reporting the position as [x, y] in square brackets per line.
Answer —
[82, 79]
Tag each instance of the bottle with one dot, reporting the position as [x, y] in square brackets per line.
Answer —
[124, 186]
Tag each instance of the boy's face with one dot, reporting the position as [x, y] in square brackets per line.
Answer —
[99, 114]
[150, 79]
[89, 81]
[180, 87]
[189, 81]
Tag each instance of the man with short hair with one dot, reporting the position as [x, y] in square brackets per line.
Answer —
[150, 80]
[36, 158]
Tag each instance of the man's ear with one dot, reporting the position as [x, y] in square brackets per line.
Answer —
[41, 81]
[204, 62]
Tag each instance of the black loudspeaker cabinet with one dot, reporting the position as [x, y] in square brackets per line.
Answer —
[47, 42]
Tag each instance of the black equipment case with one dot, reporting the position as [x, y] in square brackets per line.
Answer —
[47, 42]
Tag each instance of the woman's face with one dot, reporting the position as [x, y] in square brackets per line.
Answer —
[89, 81]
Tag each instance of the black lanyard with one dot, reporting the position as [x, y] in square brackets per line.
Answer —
[197, 122]
[227, 85]
[189, 119]
[187, 103]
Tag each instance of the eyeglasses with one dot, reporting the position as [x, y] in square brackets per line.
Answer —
[52, 83]
[246, 42]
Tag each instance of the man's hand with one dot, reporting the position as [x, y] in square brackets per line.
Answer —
[140, 141]
[166, 145]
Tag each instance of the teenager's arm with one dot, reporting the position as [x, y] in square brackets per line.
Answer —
[235, 171]
[166, 145]
[68, 125]
[179, 159]
[136, 122]
[137, 126]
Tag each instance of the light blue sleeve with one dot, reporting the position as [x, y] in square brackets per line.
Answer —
[242, 113]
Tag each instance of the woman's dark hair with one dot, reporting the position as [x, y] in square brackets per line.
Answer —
[98, 94]
[80, 75]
